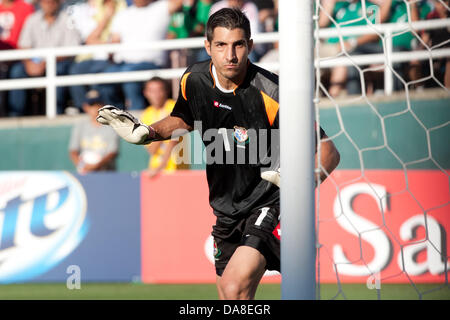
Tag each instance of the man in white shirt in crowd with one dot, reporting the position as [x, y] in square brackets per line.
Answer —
[93, 20]
[48, 27]
[144, 21]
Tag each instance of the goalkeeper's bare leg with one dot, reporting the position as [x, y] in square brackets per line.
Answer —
[242, 275]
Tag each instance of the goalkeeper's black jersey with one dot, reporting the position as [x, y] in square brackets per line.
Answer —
[233, 126]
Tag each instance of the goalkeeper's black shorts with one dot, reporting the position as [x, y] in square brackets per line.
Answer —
[260, 230]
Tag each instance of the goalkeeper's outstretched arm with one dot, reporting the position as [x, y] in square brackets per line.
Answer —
[134, 131]
[167, 127]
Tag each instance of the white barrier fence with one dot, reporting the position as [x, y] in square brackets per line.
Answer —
[50, 81]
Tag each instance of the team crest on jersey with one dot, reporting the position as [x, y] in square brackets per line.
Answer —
[240, 134]
[217, 251]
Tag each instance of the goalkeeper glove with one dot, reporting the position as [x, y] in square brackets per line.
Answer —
[272, 176]
[126, 125]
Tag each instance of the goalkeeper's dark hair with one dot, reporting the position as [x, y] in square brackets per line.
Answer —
[230, 18]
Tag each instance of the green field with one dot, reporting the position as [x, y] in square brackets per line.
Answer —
[137, 291]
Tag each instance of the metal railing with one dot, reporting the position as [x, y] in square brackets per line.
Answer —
[50, 81]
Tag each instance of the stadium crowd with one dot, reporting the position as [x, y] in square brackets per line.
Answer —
[27, 24]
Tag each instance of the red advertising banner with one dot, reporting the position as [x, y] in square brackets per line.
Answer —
[177, 221]
[389, 224]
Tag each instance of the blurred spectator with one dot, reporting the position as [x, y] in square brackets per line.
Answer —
[92, 19]
[349, 13]
[425, 7]
[93, 147]
[69, 3]
[13, 14]
[268, 22]
[439, 38]
[404, 41]
[251, 11]
[156, 91]
[268, 15]
[191, 20]
[145, 21]
[48, 27]
[268, 12]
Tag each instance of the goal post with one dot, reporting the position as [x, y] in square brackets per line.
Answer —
[298, 249]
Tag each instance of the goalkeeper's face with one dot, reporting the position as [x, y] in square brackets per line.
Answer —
[229, 51]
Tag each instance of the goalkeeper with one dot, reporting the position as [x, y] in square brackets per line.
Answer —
[230, 92]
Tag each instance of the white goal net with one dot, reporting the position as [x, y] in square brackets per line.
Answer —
[382, 96]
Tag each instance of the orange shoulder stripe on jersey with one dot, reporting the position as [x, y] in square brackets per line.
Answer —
[183, 85]
[271, 107]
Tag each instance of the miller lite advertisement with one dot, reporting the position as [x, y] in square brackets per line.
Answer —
[43, 220]
[52, 220]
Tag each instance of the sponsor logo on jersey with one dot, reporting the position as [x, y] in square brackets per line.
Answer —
[217, 104]
[42, 220]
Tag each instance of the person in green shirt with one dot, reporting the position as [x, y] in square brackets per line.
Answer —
[402, 40]
[437, 38]
[190, 21]
[345, 13]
